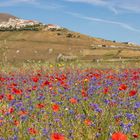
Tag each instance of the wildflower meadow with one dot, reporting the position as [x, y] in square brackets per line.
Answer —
[70, 103]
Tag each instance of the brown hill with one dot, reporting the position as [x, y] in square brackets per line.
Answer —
[5, 17]
[51, 45]
[24, 46]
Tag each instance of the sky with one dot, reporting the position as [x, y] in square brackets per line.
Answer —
[109, 19]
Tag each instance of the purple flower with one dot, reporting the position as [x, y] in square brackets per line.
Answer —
[71, 134]
[41, 98]
[98, 110]
[106, 101]
[57, 120]
[15, 137]
[118, 116]
[98, 134]
[24, 118]
[19, 104]
[45, 132]
[137, 105]
[130, 116]
[71, 111]
[94, 105]
[12, 102]
[126, 127]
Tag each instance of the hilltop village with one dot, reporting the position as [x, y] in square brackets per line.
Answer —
[21, 24]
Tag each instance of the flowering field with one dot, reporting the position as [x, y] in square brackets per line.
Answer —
[70, 104]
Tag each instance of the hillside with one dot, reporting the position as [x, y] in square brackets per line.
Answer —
[5, 17]
[23, 46]
[52, 43]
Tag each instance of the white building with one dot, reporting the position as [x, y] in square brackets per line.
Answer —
[18, 23]
[52, 26]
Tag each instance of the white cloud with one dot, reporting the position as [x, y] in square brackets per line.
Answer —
[89, 1]
[121, 24]
[36, 3]
[8, 3]
[115, 5]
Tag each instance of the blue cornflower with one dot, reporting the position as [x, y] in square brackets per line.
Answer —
[45, 132]
[137, 105]
[126, 127]
[15, 137]
[130, 116]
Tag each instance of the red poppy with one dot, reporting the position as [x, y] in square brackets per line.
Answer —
[106, 89]
[132, 92]
[13, 85]
[32, 131]
[34, 87]
[135, 135]
[2, 79]
[11, 110]
[39, 74]
[88, 122]
[46, 83]
[55, 108]
[84, 94]
[134, 84]
[119, 136]
[73, 100]
[17, 91]
[22, 113]
[40, 105]
[1, 121]
[16, 123]
[57, 136]
[24, 81]
[1, 97]
[35, 79]
[123, 87]
[135, 77]
[10, 97]
[96, 75]
[110, 77]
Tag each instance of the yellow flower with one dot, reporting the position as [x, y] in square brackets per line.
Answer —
[86, 80]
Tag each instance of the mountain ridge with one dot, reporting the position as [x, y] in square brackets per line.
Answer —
[4, 17]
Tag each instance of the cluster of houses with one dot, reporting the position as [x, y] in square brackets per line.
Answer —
[18, 23]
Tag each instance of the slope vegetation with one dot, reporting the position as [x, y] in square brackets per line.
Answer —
[23, 46]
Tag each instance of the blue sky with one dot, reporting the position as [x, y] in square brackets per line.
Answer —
[110, 19]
